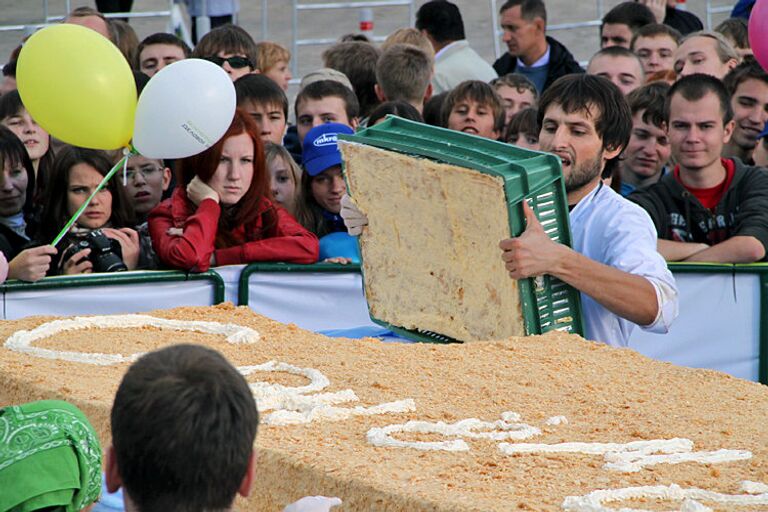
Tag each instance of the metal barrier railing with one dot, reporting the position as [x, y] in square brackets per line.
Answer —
[47, 18]
[717, 9]
[299, 7]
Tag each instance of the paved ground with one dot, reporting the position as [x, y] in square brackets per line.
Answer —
[323, 24]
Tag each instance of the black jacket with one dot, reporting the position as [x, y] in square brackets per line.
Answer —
[561, 63]
[679, 216]
[683, 21]
[11, 243]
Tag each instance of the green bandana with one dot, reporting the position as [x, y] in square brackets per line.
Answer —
[49, 457]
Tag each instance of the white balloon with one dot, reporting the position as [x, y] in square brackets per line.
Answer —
[184, 109]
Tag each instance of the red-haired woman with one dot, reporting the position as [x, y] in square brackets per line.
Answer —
[222, 214]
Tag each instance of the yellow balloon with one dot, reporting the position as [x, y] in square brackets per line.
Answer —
[78, 86]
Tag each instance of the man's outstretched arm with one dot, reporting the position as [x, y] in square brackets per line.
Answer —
[533, 253]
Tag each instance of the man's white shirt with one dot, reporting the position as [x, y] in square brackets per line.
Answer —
[611, 230]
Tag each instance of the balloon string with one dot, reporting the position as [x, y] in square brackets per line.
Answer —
[121, 163]
[127, 153]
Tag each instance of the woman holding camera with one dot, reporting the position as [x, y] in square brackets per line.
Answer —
[222, 212]
[103, 235]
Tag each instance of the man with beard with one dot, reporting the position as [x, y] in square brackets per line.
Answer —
[614, 263]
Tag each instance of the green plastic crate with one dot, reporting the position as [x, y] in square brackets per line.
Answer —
[547, 303]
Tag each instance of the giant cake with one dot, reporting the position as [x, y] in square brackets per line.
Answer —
[537, 423]
[449, 252]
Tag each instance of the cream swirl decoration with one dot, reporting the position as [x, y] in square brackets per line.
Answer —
[692, 499]
[303, 404]
[22, 341]
[634, 456]
[508, 427]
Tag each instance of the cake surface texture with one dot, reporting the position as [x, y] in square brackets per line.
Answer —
[527, 423]
[430, 255]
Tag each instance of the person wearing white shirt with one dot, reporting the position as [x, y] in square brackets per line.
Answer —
[614, 263]
[455, 60]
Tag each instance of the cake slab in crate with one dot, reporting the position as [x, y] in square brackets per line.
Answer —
[438, 203]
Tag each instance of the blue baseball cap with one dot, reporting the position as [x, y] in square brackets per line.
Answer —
[321, 149]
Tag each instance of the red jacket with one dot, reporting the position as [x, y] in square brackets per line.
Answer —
[192, 250]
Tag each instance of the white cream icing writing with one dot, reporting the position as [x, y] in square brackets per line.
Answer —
[508, 427]
[633, 456]
[692, 499]
[22, 341]
[303, 404]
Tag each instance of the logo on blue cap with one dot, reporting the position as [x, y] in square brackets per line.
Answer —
[326, 139]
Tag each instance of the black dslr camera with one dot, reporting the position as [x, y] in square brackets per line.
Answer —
[106, 253]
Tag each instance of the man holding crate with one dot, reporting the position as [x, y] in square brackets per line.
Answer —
[614, 263]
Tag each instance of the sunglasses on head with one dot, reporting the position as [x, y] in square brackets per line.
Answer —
[234, 62]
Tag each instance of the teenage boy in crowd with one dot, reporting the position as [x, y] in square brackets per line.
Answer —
[531, 52]
[655, 46]
[517, 93]
[645, 158]
[705, 52]
[357, 60]
[147, 179]
[273, 60]
[474, 107]
[747, 85]
[230, 47]
[183, 426]
[403, 73]
[614, 263]
[157, 51]
[325, 101]
[266, 102]
[709, 208]
[455, 61]
[622, 23]
[620, 66]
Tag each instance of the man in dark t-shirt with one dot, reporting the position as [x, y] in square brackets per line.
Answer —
[708, 208]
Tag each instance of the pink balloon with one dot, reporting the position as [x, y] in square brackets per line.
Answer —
[758, 32]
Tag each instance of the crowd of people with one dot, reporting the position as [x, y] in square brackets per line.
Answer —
[667, 114]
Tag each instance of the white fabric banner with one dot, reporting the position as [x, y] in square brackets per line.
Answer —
[718, 326]
[313, 301]
[107, 300]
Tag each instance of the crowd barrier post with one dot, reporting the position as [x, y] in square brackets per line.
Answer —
[716, 9]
